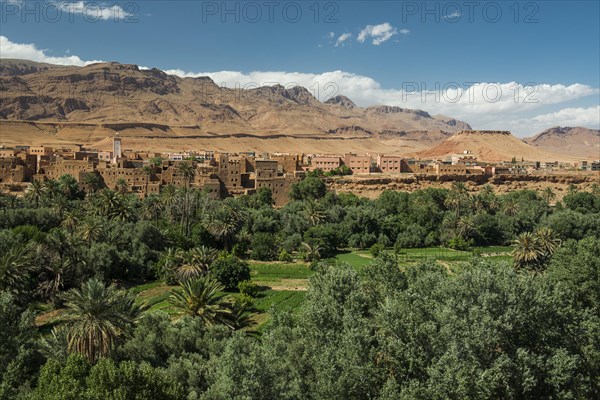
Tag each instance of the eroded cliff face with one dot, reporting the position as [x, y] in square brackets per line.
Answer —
[372, 187]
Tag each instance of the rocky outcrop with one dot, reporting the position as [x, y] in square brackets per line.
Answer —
[342, 101]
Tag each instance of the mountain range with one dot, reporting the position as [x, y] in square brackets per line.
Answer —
[151, 110]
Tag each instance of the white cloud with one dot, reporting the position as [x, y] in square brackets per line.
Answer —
[404, 31]
[340, 41]
[93, 10]
[29, 51]
[588, 117]
[331, 35]
[379, 33]
[453, 16]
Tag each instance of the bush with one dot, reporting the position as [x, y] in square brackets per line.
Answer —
[244, 302]
[376, 249]
[285, 256]
[263, 246]
[230, 271]
[248, 288]
[458, 243]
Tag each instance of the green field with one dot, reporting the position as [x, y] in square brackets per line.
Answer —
[283, 285]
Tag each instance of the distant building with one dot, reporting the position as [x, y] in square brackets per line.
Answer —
[392, 164]
[358, 164]
[117, 148]
[325, 163]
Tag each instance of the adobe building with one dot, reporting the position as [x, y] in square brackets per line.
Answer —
[76, 168]
[358, 164]
[392, 164]
[19, 167]
[325, 163]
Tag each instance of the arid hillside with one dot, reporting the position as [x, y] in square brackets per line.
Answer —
[491, 146]
[43, 103]
[576, 142]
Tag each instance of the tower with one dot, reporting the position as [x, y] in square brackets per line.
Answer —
[116, 148]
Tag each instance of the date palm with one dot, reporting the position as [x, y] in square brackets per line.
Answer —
[52, 277]
[91, 230]
[312, 252]
[224, 222]
[313, 212]
[548, 195]
[547, 241]
[15, 268]
[92, 182]
[70, 221]
[527, 253]
[465, 226]
[187, 171]
[511, 208]
[98, 318]
[152, 208]
[203, 298]
[36, 192]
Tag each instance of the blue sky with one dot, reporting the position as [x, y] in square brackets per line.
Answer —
[374, 52]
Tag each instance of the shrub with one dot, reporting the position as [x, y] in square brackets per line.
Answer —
[284, 256]
[230, 271]
[458, 243]
[263, 246]
[376, 249]
[248, 288]
[244, 302]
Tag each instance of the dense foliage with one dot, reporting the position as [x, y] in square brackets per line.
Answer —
[526, 329]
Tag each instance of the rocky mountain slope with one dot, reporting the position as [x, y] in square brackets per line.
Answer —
[44, 103]
[573, 141]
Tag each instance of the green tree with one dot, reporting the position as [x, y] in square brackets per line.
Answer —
[527, 252]
[230, 271]
[98, 318]
[202, 298]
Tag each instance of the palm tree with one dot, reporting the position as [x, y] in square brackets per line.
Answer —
[465, 226]
[15, 267]
[91, 180]
[548, 195]
[458, 198]
[152, 207]
[156, 161]
[149, 172]
[314, 213]
[70, 221]
[68, 186]
[187, 171]
[203, 256]
[36, 192]
[527, 253]
[98, 318]
[51, 188]
[52, 278]
[198, 262]
[511, 208]
[224, 222]
[312, 252]
[106, 201]
[203, 298]
[91, 230]
[547, 241]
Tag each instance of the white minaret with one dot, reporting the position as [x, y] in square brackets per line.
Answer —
[116, 148]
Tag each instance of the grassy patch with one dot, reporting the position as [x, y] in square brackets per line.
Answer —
[355, 259]
[281, 276]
